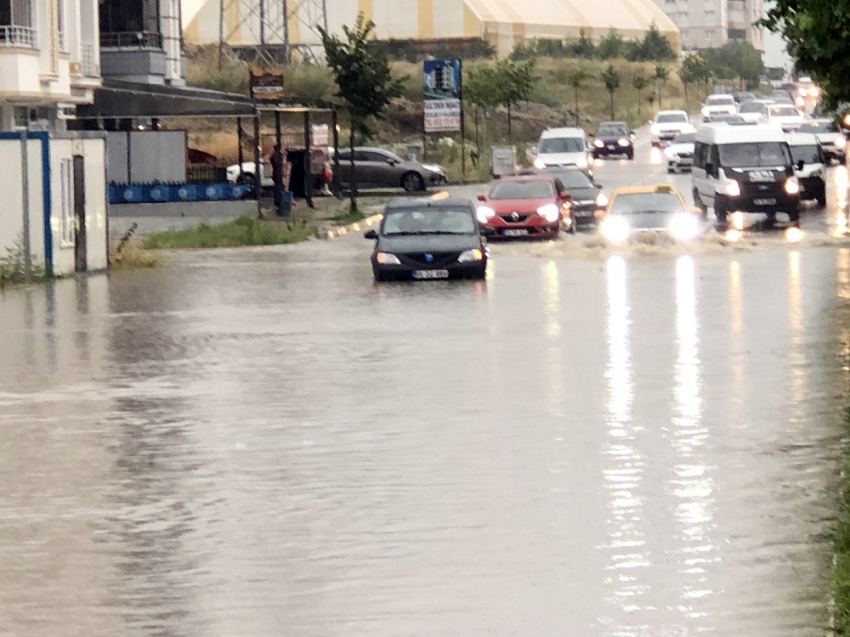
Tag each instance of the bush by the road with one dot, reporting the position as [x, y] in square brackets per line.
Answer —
[242, 232]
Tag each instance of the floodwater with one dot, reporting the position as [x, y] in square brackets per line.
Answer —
[264, 443]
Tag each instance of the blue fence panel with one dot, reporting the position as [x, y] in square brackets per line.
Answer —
[171, 193]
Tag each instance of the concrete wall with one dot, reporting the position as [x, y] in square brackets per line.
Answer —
[12, 210]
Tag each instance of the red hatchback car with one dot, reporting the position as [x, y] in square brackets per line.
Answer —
[533, 206]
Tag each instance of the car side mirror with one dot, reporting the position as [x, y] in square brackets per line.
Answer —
[392, 162]
[800, 164]
[370, 234]
[482, 197]
[599, 186]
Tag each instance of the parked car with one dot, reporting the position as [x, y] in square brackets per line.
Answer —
[667, 125]
[786, 115]
[376, 167]
[425, 239]
[742, 97]
[751, 111]
[563, 147]
[832, 141]
[680, 153]
[808, 166]
[525, 206]
[641, 209]
[721, 104]
[613, 138]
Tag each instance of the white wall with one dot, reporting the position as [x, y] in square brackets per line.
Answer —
[11, 212]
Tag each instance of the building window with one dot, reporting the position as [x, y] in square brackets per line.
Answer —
[16, 24]
[709, 34]
[66, 185]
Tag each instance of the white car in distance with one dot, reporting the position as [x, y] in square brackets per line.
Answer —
[719, 105]
[680, 153]
[786, 115]
[751, 111]
[667, 125]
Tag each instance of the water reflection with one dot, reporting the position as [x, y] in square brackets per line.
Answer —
[693, 484]
[625, 466]
[552, 316]
[841, 185]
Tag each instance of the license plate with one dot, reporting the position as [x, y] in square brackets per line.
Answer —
[610, 147]
[430, 274]
[584, 213]
[764, 202]
[516, 233]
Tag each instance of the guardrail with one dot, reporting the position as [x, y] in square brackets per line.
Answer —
[131, 40]
[14, 36]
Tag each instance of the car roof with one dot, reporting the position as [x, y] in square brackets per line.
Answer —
[613, 123]
[723, 95]
[801, 139]
[534, 177]
[646, 190]
[550, 133]
[405, 203]
[725, 133]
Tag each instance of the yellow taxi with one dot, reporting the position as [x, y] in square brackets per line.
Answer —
[637, 209]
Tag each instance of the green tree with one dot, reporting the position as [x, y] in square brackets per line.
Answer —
[736, 60]
[640, 82]
[661, 75]
[365, 83]
[655, 47]
[611, 46]
[817, 35]
[514, 83]
[575, 79]
[481, 88]
[694, 70]
[612, 82]
[583, 47]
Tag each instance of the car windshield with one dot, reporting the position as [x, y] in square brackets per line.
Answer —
[818, 127]
[685, 138]
[536, 189]
[662, 202]
[561, 145]
[807, 154]
[752, 107]
[718, 100]
[428, 221]
[573, 179]
[784, 111]
[672, 118]
[612, 131]
[755, 154]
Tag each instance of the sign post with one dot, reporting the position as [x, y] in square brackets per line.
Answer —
[443, 89]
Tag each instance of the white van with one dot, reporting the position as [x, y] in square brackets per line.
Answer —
[564, 147]
[744, 168]
[807, 155]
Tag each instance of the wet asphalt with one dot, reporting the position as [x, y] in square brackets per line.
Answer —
[592, 442]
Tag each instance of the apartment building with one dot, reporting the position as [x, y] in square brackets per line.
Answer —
[711, 23]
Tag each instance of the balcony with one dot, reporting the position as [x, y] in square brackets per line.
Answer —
[144, 40]
[88, 61]
[18, 37]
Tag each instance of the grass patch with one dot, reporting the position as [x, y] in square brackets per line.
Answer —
[242, 232]
[348, 216]
[132, 256]
[841, 546]
[13, 268]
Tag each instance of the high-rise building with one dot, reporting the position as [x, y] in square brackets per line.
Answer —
[712, 23]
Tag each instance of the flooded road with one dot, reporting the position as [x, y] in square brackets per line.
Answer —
[264, 443]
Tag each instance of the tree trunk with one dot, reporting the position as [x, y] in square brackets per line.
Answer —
[353, 184]
[685, 85]
[576, 106]
[612, 105]
[510, 132]
[639, 101]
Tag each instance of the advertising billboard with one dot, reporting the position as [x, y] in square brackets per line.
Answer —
[442, 85]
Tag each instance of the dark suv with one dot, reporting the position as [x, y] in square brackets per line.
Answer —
[613, 138]
[425, 239]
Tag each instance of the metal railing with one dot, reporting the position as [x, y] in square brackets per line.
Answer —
[206, 174]
[88, 62]
[131, 40]
[14, 36]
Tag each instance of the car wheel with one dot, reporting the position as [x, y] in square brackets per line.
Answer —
[794, 217]
[821, 196]
[412, 182]
[573, 225]
[631, 155]
[671, 170]
[720, 212]
[703, 209]
[378, 275]
[248, 179]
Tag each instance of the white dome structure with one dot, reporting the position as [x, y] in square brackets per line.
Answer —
[502, 23]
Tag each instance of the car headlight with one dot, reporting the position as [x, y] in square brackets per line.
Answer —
[654, 130]
[705, 112]
[471, 256]
[684, 226]
[615, 229]
[539, 163]
[485, 213]
[623, 142]
[385, 258]
[733, 188]
[814, 91]
[847, 119]
[601, 200]
[840, 141]
[598, 143]
[550, 212]
[800, 102]
[669, 153]
[792, 186]
[581, 162]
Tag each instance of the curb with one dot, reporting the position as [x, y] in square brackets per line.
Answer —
[354, 227]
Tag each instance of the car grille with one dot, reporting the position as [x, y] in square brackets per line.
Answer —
[765, 190]
[685, 155]
[437, 259]
[520, 218]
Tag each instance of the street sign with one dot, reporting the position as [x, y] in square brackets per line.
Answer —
[266, 86]
[442, 86]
